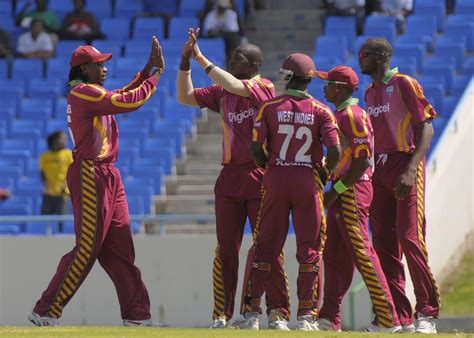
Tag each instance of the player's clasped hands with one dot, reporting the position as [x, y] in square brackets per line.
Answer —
[156, 59]
[191, 48]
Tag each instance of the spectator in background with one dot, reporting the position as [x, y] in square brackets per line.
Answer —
[223, 22]
[49, 18]
[35, 44]
[397, 8]
[6, 44]
[53, 165]
[4, 194]
[348, 8]
[80, 24]
[165, 9]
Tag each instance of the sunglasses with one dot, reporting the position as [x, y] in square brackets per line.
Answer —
[364, 53]
[329, 82]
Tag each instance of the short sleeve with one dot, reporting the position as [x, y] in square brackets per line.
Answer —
[327, 125]
[46, 43]
[417, 104]
[209, 97]
[260, 126]
[357, 127]
[260, 90]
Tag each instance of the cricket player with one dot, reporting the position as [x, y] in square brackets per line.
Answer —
[101, 218]
[401, 117]
[294, 127]
[236, 96]
[348, 243]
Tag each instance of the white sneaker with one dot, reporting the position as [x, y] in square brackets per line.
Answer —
[425, 325]
[145, 322]
[326, 325]
[219, 323]
[307, 323]
[249, 321]
[409, 328]
[42, 321]
[375, 328]
[276, 321]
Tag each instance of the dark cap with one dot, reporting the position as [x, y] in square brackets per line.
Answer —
[342, 75]
[298, 64]
[84, 54]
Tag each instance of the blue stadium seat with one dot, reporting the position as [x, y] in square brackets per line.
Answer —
[469, 66]
[30, 187]
[56, 125]
[460, 27]
[145, 27]
[139, 49]
[332, 46]
[214, 47]
[381, 26]
[464, 7]
[7, 183]
[115, 28]
[422, 25]
[127, 8]
[8, 108]
[459, 84]
[176, 110]
[166, 154]
[449, 105]
[342, 25]
[60, 108]
[410, 49]
[442, 70]
[60, 7]
[135, 205]
[406, 64]
[65, 48]
[179, 27]
[190, 8]
[157, 174]
[176, 134]
[23, 68]
[6, 9]
[434, 9]
[36, 108]
[436, 92]
[26, 125]
[134, 124]
[4, 69]
[425, 40]
[128, 66]
[13, 172]
[456, 49]
[39, 88]
[58, 68]
[140, 187]
[12, 89]
[101, 9]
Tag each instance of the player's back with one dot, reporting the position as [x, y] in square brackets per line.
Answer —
[295, 126]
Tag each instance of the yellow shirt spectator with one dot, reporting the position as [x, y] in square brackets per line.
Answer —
[54, 165]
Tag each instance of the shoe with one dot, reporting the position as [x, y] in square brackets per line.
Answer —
[249, 321]
[37, 320]
[219, 323]
[145, 322]
[409, 328]
[375, 328]
[307, 323]
[326, 325]
[276, 321]
[425, 324]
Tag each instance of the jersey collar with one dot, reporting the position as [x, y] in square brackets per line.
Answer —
[256, 77]
[298, 93]
[349, 102]
[388, 75]
[74, 83]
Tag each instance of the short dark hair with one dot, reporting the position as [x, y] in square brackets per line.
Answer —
[379, 45]
[53, 137]
[76, 73]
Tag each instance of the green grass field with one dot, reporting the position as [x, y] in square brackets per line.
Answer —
[457, 291]
[97, 331]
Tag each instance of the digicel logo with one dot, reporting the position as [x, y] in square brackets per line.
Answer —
[239, 118]
[375, 111]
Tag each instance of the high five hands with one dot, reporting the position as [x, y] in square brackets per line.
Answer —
[156, 59]
[191, 48]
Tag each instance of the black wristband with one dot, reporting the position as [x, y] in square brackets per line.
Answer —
[209, 68]
[185, 65]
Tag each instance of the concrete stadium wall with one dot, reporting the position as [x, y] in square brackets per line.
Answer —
[177, 272]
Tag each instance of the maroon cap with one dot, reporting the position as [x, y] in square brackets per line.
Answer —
[342, 74]
[84, 54]
[298, 64]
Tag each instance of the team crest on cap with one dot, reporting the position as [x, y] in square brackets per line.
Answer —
[310, 73]
[389, 90]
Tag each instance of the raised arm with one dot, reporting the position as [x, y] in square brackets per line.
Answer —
[185, 83]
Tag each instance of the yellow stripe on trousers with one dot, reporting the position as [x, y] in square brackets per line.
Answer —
[381, 306]
[420, 210]
[87, 238]
[218, 284]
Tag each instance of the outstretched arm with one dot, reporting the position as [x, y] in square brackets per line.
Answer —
[185, 83]
[226, 80]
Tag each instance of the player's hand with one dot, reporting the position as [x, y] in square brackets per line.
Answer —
[151, 59]
[187, 52]
[323, 174]
[159, 59]
[192, 38]
[405, 183]
[330, 197]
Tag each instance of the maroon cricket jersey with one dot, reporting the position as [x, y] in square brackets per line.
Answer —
[90, 110]
[295, 127]
[396, 107]
[238, 114]
[356, 135]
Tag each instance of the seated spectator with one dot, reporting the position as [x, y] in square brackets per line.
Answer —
[4, 194]
[53, 165]
[163, 8]
[49, 18]
[6, 44]
[35, 44]
[223, 22]
[348, 7]
[397, 8]
[79, 24]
